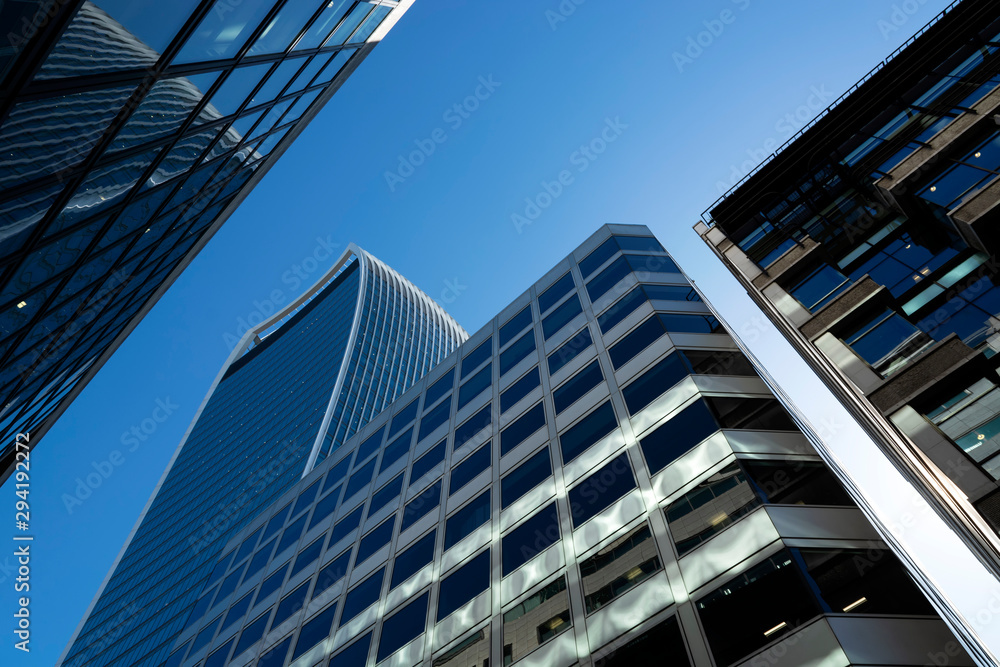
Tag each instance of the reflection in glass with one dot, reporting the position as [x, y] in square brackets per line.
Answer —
[224, 30]
[474, 650]
[710, 508]
[536, 620]
[619, 567]
[285, 27]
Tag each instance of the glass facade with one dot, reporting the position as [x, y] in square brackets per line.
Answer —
[575, 536]
[252, 441]
[128, 133]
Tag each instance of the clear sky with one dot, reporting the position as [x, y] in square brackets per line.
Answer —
[551, 76]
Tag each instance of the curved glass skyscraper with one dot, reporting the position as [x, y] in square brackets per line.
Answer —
[292, 391]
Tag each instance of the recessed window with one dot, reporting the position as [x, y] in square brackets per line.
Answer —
[402, 627]
[621, 309]
[522, 428]
[440, 387]
[218, 658]
[607, 279]
[248, 544]
[569, 350]
[600, 490]
[796, 483]
[529, 539]
[470, 467]
[636, 341]
[464, 521]
[561, 316]
[654, 383]
[403, 417]
[423, 465]
[418, 507]
[463, 584]
[386, 494]
[677, 436]
[473, 426]
[337, 473]
[396, 450]
[515, 326]
[662, 643]
[346, 526]
[718, 362]
[219, 569]
[679, 323]
[588, 431]
[639, 244]
[417, 556]
[229, 585]
[377, 538]
[536, 620]
[651, 264]
[819, 287]
[520, 389]
[308, 555]
[472, 360]
[574, 389]
[476, 385]
[434, 418]
[710, 507]
[619, 567]
[272, 583]
[370, 445]
[314, 631]
[594, 260]
[556, 291]
[238, 610]
[525, 477]
[518, 350]
[276, 522]
[290, 604]
[362, 596]
[473, 650]
[332, 572]
[765, 414]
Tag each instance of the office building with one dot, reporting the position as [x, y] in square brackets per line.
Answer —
[293, 390]
[870, 240]
[129, 132]
[597, 477]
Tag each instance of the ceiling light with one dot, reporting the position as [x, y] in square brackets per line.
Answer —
[855, 604]
[779, 626]
[980, 437]
[717, 519]
[933, 188]
[22, 304]
[978, 154]
[634, 573]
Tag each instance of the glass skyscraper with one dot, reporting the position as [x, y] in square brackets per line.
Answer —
[292, 392]
[871, 241]
[597, 477]
[129, 131]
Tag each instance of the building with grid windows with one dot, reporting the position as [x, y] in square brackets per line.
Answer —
[870, 240]
[129, 132]
[597, 477]
[296, 388]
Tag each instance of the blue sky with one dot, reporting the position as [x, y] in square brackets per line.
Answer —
[679, 124]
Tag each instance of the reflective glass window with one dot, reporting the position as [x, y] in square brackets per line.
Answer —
[662, 643]
[520, 389]
[337, 473]
[248, 544]
[529, 539]
[291, 534]
[521, 428]
[588, 431]
[514, 326]
[233, 91]
[594, 260]
[218, 658]
[277, 81]
[678, 435]
[324, 24]
[440, 387]
[419, 507]
[237, 611]
[433, 418]
[621, 309]
[403, 417]
[272, 583]
[396, 450]
[224, 30]
[360, 479]
[284, 27]
[473, 359]
[536, 620]
[290, 604]
[324, 508]
[205, 636]
[465, 520]
[252, 634]
[718, 362]
[561, 316]
[474, 651]
[654, 383]
[639, 243]
[343, 32]
[475, 385]
[387, 493]
[314, 631]
[710, 507]
[608, 278]
[376, 538]
[417, 556]
[635, 342]
[525, 477]
[470, 467]
[463, 584]
[574, 389]
[371, 23]
[276, 656]
[601, 489]
[259, 560]
[680, 323]
[750, 413]
[308, 555]
[402, 627]
[472, 426]
[355, 655]
[520, 349]
[370, 446]
[305, 499]
[556, 291]
[346, 526]
[423, 465]
[642, 264]
[569, 350]
[619, 567]
[670, 293]
[332, 572]
[362, 596]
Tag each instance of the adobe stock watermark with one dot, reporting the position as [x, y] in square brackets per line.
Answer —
[131, 440]
[562, 12]
[581, 158]
[704, 39]
[785, 127]
[899, 16]
[295, 276]
[454, 116]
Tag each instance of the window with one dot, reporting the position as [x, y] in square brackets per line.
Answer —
[718, 362]
[228, 586]
[376, 538]
[238, 610]
[529, 539]
[521, 428]
[346, 526]
[355, 655]
[337, 473]
[561, 316]
[387, 493]
[750, 413]
[619, 567]
[219, 569]
[601, 489]
[433, 418]
[473, 650]
[588, 431]
[396, 450]
[403, 417]
[639, 243]
[259, 560]
[423, 465]
[218, 658]
[525, 477]
[636, 341]
[470, 467]
[276, 522]
[476, 385]
[662, 643]
[607, 279]
[621, 309]
[290, 604]
[670, 293]
[362, 596]
[439, 388]
[819, 287]
[519, 389]
[415, 558]
[886, 342]
[332, 572]
[421, 505]
[314, 631]
[536, 620]
[710, 507]
[670, 440]
[653, 383]
[520, 349]
[464, 521]
[308, 555]
[252, 634]
[463, 584]
[574, 389]
[472, 427]
[271, 584]
[556, 291]
[677, 323]
[514, 326]
[569, 350]
[291, 534]
[402, 627]
[472, 360]
[795, 483]
[370, 445]
[360, 479]
[276, 656]
[651, 264]
[248, 544]
[594, 260]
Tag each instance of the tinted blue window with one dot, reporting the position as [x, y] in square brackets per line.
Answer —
[423, 465]
[306, 498]
[332, 572]
[276, 656]
[636, 341]
[290, 604]
[689, 323]
[199, 609]
[608, 278]
[461, 524]
[558, 290]
[514, 326]
[621, 309]
[529, 539]
[345, 526]
[463, 584]
[237, 611]
[439, 388]
[603, 253]
[272, 583]
[291, 534]
[433, 419]
[476, 385]
[561, 316]
[601, 490]
[259, 560]
[411, 561]
[403, 417]
[355, 655]
[519, 430]
[377, 538]
[229, 585]
[520, 349]
[360, 479]
[472, 360]
[684, 430]
[640, 243]
[314, 631]
[519, 389]
[219, 569]
[369, 446]
[651, 263]
[418, 507]
[525, 477]
[252, 634]
[248, 544]
[362, 596]
[308, 555]
[387, 493]
[325, 507]
[472, 426]
[653, 383]
[276, 522]
[402, 627]
[588, 431]
[569, 350]
[670, 293]
[399, 448]
[337, 473]
[471, 465]
[218, 658]
[573, 389]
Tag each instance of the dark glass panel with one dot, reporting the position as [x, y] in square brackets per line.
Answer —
[796, 483]
[440, 387]
[248, 544]
[360, 479]
[561, 316]
[519, 389]
[290, 604]
[370, 445]
[362, 596]
[636, 341]
[603, 253]
[529, 539]
[314, 631]
[678, 323]
[387, 493]
[711, 507]
[403, 627]
[224, 30]
[751, 413]
[536, 620]
[464, 521]
[308, 555]
[525, 477]
[569, 350]
[651, 263]
[677, 436]
[513, 355]
[396, 450]
[276, 656]
[619, 567]
[621, 309]
[237, 611]
[475, 385]
[324, 508]
[519, 430]
[473, 359]
[639, 243]
[418, 507]
[670, 293]
[355, 655]
[600, 490]
[305, 498]
[337, 473]
[252, 634]
[654, 383]
[407, 563]
[662, 643]
[276, 522]
[259, 560]
[376, 538]
[473, 426]
[470, 467]
[607, 279]
[588, 431]
[272, 583]
[558, 290]
[423, 465]
[433, 418]
[291, 534]
[403, 417]
[514, 326]
[574, 389]
[718, 362]
[346, 526]
[463, 584]
[332, 572]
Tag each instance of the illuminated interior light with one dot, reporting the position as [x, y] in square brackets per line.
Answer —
[980, 437]
[718, 518]
[933, 188]
[779, 626]
[634, 573]
[22, 304]
[856, 604]
[978, 154]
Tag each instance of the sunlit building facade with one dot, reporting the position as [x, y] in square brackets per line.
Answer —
[871, 241]
[339, 354]
[597, 477]
[129, 132]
